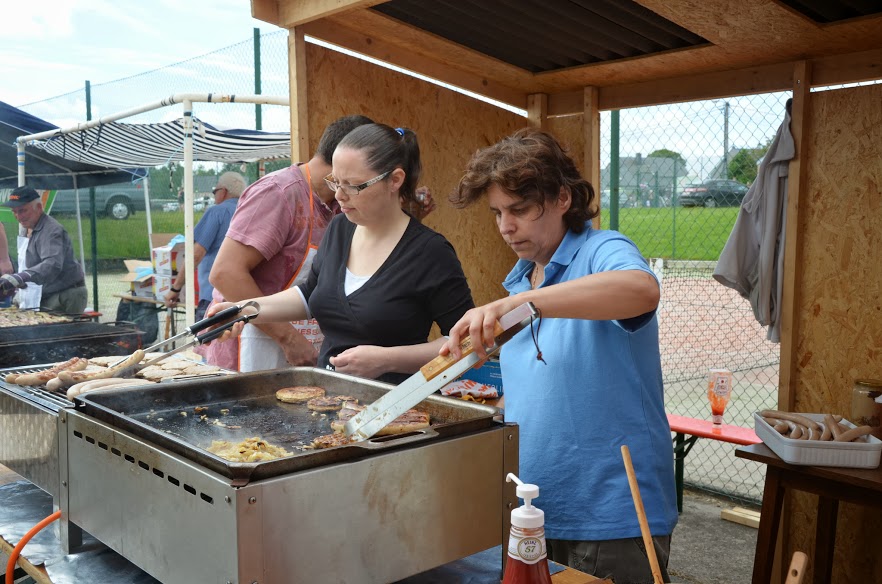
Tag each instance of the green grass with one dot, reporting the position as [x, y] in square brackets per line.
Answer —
[693, 233]
[670, 232]
[116, 239]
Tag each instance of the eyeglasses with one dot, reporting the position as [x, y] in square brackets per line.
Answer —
[353, 190]
[216, 189]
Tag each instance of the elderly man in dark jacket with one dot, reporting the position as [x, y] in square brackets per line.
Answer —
[45, 258]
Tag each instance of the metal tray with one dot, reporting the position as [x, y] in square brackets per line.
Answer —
[163, 414]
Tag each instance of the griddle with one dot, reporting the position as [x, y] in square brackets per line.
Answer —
[156, 414]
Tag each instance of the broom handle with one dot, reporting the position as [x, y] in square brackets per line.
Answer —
[641, 516]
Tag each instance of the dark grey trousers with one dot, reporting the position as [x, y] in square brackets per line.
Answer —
[624, 561]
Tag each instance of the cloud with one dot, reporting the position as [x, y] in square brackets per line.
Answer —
[38, 20]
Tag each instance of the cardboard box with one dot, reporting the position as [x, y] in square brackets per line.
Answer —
[166, 258]
[490, 373]
[162, 285]
[139, 277]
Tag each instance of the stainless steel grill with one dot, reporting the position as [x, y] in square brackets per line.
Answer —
[371, 512]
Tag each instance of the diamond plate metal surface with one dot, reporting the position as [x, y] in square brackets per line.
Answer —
[29, 441]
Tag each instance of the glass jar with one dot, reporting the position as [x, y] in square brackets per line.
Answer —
[866, 404]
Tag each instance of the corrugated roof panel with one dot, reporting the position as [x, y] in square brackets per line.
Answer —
[549, 35]
[828, 11]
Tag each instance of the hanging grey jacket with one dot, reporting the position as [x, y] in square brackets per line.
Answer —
[753, 258]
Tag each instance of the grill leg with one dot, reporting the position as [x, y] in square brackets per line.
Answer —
[69, 534]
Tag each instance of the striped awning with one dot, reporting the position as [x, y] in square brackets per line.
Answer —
[124, 145]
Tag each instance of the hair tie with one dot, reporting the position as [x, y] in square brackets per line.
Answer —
[400, 131]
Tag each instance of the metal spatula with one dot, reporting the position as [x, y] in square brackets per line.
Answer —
[433, 376]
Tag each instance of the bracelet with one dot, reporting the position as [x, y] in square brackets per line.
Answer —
[175, 290]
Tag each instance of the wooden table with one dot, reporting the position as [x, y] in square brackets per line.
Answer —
[38, 573]
[860, 486]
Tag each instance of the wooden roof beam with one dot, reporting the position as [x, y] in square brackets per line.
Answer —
[834, 70]
[265, 10]
[291, 13]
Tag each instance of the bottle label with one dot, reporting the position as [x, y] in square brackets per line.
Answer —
[529, 550]
[720, 382]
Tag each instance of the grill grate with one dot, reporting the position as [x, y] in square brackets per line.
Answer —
[39, 393]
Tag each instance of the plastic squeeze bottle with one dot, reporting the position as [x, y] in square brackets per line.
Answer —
[527, 559]
[719, 388]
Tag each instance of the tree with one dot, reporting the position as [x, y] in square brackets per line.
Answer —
[743, 165]
[665, 153]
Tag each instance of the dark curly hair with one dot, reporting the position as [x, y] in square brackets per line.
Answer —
[530, 164]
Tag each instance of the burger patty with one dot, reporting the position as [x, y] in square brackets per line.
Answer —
[330, 403]
[299, 394]
[331, 440]
[409, 421]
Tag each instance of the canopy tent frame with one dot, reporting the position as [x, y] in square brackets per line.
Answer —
[186, 100]
[49, 171]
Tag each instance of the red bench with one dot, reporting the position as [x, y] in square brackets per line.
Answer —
[695, 429]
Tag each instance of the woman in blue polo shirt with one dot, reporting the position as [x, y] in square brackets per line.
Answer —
[592, 379]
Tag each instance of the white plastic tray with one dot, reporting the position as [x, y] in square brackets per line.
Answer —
[817, 453]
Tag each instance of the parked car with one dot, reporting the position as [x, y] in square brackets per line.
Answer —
[713, 193]
[116, 201]
[199, 204]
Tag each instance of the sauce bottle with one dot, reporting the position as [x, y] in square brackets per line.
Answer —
[527, 559]
[719, 388]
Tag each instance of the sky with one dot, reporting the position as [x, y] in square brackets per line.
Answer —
[51, 47]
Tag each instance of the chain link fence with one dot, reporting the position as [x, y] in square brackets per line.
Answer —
[672, 179]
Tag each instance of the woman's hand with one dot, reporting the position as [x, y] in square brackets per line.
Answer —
[364, 361]
[233, 332]
[478, 323]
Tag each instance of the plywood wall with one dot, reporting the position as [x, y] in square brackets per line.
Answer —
[568, 131]
[839, 334]
[450, 127]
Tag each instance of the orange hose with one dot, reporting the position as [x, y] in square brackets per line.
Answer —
[13, 557]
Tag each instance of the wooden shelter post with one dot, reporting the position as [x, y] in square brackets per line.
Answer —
[537, 110]
[299, 110]
[796, 181]
[591, 139]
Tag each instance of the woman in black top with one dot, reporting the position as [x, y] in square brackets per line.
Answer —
[380, 278]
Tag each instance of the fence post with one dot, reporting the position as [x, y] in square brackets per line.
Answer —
[655, 191]
[258, 112]
[614, 171]
[674, 213]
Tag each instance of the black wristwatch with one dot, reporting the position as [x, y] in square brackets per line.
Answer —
[175, 290]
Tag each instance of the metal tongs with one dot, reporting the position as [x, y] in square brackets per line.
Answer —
[194, 328]
[433, 376]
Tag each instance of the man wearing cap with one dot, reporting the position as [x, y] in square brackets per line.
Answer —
[47, 272]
